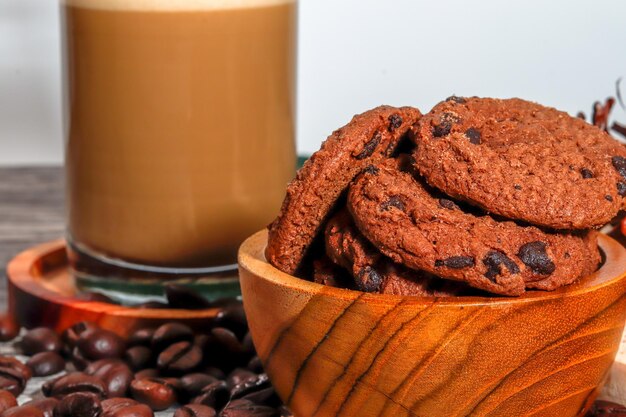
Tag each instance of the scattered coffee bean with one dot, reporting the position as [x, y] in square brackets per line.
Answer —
[169, 334]
[100, 344]
[8, 362]
[215, 395]
[226, 339]
[41, 339]
[46, 363]
[154, 392]
[180, 296]
[214, 372]
[147, 373]
[23, 411]
[78, 360]
[74, 382]
[125, 407]
[78, 404]
[534, 256]
[46, 405]
[195, 410]
[191, 384]
[7, 400]
[179, 358]
[114, 373]
[9, 329]
[13, 375]
[71, 335]
[237, 376]
[255, 365]
[245, 408]
[233, 317]
[142, 337]
[138, 357]
[250, 384]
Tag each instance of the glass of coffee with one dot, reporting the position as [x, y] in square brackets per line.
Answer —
[179, 133]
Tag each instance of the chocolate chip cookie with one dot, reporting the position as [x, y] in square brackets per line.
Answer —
[374, 272]
[522, 161]
[421, 229]
[369, 138]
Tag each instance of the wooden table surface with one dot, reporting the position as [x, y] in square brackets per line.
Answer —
[31, 211]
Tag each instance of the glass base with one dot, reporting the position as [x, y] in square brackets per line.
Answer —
[128, 283]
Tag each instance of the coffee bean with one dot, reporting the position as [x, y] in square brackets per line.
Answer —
[179, 358]
[456, 262]
[97, 344]
[266, 396]
[368, 279]
[180, 296]
[249, 385]
[125, 407]
[245, 408]
[191, 384]
[78, 404]
[214, 372]
[12, 385]
[9, 329]
[586, 173]
[154, 392]
[74, 382]
[78, 360]
[395, 121]
[226, 339]
[71, 335]
[7, 400]
[46, 405]
[9, 362]
[46, 363]
[369, 147]
[13, 375]
[607, 409]
[255, 365]
[138, 357]
[494, 261]
[195, 410]
[147, 373]
[534, 256]
[142, 337]
[169, 334]
[115, 375]
[619, 163]
[473, 135]
[233, 317]
[215, 395]
[393, 201]
[23, 411]
[237, 376]
[41, 339]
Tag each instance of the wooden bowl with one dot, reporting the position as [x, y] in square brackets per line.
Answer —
[336, 352]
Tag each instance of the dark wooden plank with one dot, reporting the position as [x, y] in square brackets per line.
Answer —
[31, 211]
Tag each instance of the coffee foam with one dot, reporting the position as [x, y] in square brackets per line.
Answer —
[172, 5]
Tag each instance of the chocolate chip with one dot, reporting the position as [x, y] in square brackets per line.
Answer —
[395, 121]
[456, 262]
[456, 99]
[46, 363]
[371, 169]
[445, 203]
[473, 135]
[442, 129]
[368, 280]
[393, 201]
[619, 163]
[621, 188]
[494, 261]
[586, 173]
[608, 198]
[369, 147]
[534, 256]
[517, 187]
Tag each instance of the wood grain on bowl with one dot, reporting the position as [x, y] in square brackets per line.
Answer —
[335, 352]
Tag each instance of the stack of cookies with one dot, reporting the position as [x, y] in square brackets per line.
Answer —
[478, 196]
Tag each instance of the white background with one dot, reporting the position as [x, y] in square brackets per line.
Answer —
[355, 54]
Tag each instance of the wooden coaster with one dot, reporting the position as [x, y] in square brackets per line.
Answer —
[41, 291]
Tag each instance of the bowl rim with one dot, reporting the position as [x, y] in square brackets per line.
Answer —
[251, 258]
